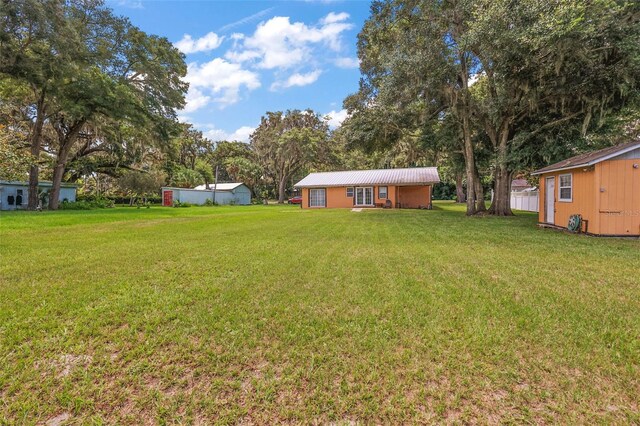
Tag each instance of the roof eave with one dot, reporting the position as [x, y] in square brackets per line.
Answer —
[590, 163]
[365, 184]
[559, 169]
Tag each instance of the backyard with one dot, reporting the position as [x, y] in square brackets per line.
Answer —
[266, 314]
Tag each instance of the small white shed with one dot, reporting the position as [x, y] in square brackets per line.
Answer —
[14, 195]
[223, 193]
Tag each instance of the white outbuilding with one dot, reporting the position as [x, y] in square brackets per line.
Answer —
[236, 193]
[14, 195]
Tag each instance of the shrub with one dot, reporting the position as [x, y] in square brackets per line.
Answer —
[177, 203]
[118, 199]
[98, 203]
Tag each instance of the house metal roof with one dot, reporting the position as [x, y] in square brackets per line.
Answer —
[590, 158]
[411, 176]
[221, 186]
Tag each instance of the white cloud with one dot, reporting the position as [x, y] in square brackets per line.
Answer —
[347, 62]
[298, 79]
[336, 118]
[335, 17]
[205, 43]
[241, 134]
[473, 78]
[133, 4]
[195, 100]
[278, 43]
[222, 79]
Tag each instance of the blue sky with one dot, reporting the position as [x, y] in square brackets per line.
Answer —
[249, 57]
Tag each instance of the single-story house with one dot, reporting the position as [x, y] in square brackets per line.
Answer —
[395, 188]
[518, 185]
[14, 195]
[222, 193]
[603, 187]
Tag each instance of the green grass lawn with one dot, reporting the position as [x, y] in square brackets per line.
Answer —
[270, 314]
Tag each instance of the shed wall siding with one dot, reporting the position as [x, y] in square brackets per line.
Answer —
[619, 197]
[413, 197]
[583, 198]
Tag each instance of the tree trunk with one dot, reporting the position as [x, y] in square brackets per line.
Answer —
[459, 188]
[281, 187]
[65, 141]
[501, 204]
[465, 113]
[58, 173]
[470, 165]
[34, 169]
[480, 204]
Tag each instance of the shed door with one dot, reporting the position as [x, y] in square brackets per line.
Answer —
[167, 198]
[549, 200]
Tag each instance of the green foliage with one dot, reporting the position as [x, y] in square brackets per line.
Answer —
[546, 74]
[177, 203]
[96, 203]
[141, 184]
[86, 68]
[444, 191]
[15, 158]
[186, 178]
[284, 143]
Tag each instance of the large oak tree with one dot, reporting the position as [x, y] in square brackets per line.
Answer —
[284, 143]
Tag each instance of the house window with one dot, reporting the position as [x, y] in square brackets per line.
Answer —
[317, 197]
[566, 187]
[382, 192]
[350, 192]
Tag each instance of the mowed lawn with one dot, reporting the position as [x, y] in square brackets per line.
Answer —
[268, 314]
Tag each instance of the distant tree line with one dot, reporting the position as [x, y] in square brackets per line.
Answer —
[485, 90]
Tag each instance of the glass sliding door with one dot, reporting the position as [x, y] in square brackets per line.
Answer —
[364, 196]
[317, 197]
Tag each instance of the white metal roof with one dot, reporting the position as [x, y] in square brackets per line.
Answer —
[221, 186]
[411, 176]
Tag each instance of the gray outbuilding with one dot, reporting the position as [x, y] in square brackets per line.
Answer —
[14, 195]
[223, 193]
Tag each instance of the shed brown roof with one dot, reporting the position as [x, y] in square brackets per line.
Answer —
[590, 158]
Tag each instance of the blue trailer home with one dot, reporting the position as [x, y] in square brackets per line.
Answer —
[225, 193]
[14, 195]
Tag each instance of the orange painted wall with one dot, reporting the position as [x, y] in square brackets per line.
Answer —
[337, 196]
[618, 196]
[413, 197]
[583, 202]
[615, 211]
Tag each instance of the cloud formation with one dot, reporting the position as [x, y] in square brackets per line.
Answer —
[195, 100]
[208, 42]
[298, 79]
[279, 43]
[347, 62]
[222, 79]
[241, 134]
[336, 118]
